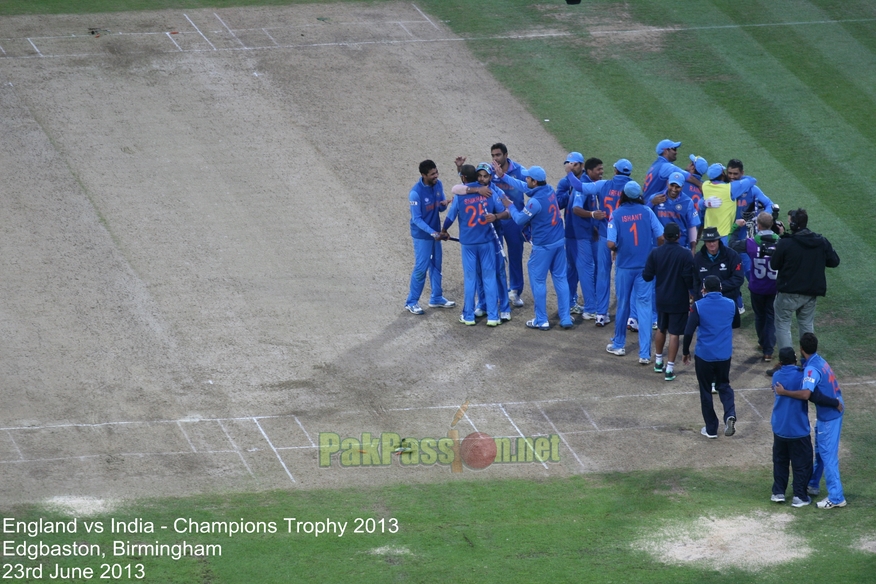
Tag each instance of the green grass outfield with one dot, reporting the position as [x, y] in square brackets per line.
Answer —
[787, 86]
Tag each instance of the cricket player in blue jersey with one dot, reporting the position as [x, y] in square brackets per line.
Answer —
[818, 378]
[596, 201]
[586, 232]
[477, 237]
[693, 186]
[485, 177]
[513, 233]
[791, 441]
[658, 174]
[672, 206]
[575, 230]
[426, 200]
[548, 254]
[632, 231]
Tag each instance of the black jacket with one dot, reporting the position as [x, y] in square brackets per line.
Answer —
[727, 266]
[800, 260]
[673, 267]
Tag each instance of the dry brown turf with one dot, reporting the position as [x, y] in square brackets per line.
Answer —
[205, 256]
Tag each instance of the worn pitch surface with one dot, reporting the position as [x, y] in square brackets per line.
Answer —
[206, 254]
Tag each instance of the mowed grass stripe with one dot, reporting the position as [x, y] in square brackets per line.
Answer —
[566, 89]
[825, 76]
[852, 60]
[864, 32]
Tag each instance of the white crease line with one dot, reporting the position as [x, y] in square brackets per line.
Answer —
[1, 50]
[589, 418]
[137, 454]
[276, 453]
[300, 425]
[173, 41]
[199, 31]
[424, 16]
[236, 449]
[525, 439]
[17, 449]
[465, 415]
[179, 424]
[563, 438]
[34, 47]
[270, 37]
[229, 30]
[752, 406]
[406, 29]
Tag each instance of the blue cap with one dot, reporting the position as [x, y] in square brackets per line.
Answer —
[575, 157]
[664, 144]
[700, 164]
[485, 166]
[623, 166]
[716, 170]
[536, 173]
[632, 190]
[676, 178]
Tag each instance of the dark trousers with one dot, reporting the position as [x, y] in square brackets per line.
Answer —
[797, 451]
[764, 321]
[717, 372]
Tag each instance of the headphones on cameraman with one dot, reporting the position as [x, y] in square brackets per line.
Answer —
[792, 225]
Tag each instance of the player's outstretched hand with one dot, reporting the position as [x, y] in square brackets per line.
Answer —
[497, 170]
[459, 161]
[685, 359]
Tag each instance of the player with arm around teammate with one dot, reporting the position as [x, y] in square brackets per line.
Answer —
[477, 213]
[487, 189]
[818, 378]
[426, 200]
[791, 441]
[548, 244]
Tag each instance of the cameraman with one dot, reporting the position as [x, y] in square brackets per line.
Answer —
[800, 259]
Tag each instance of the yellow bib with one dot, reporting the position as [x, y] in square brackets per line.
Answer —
[722, 217]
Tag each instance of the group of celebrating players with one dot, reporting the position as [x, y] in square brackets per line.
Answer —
[573, 236]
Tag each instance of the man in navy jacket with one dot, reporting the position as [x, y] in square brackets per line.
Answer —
[713, 317]
[673, 267]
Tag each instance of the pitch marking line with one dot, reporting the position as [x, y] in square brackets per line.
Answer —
[17, 449]
[525, 439]
[173, 41]
[179, 424]
[236, 449]
[453, 39]
[563, 438]
[276, 453]
[229, 30]
[426, 17]
[199, 31]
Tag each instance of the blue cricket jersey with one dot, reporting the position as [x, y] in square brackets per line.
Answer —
[633, 228]
[658, 175]
[425, 209]
[818, 376]
[790, 417]
[679, 210]
[542, 213]
[471, 209]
